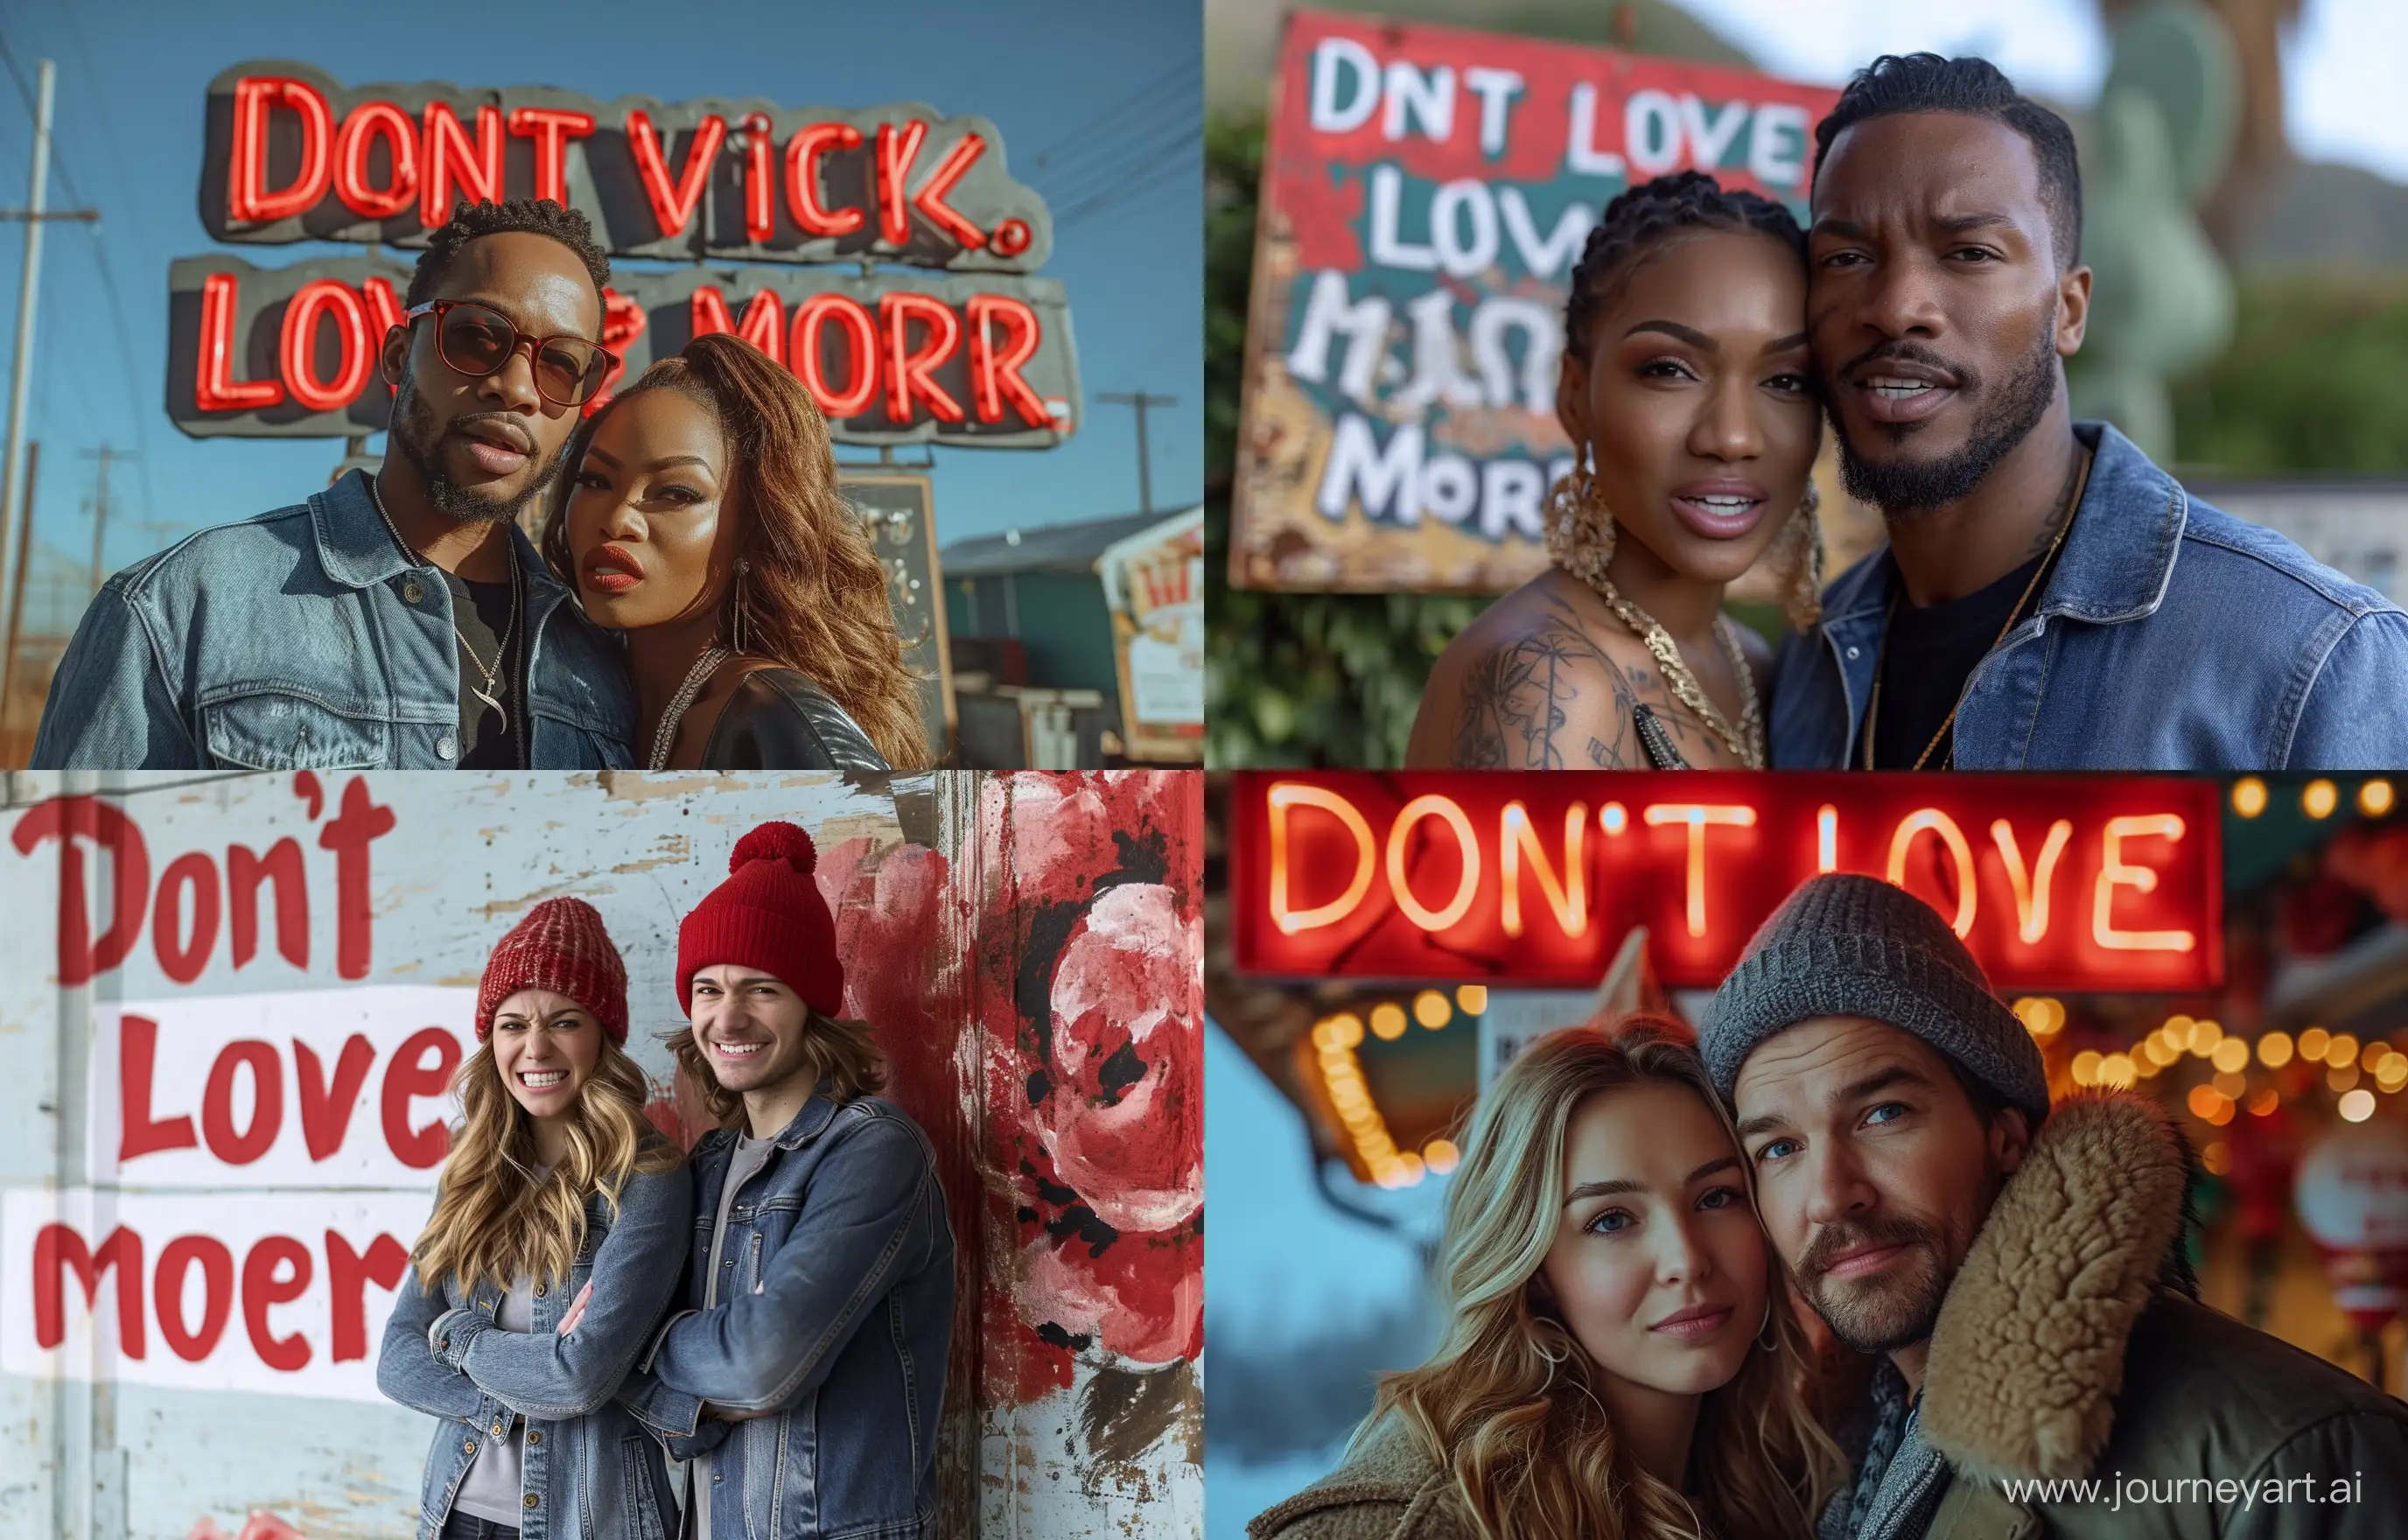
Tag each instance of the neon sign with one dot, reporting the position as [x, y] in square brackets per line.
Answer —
[838, 216]
[982, 359]
[294, 155]
[2056, 884]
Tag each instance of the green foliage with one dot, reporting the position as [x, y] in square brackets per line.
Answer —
[2315, 380]
[1289, 679]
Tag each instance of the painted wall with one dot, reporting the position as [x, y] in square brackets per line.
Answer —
[227, 1008]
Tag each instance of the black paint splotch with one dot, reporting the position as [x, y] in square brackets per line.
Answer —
[1124, 1413]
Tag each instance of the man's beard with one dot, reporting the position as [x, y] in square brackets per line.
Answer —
[421, 442]
[1908, 486]
[1885, 1314]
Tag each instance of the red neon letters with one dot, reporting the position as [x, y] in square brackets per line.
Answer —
[673, 207]
[860, 343]
[249, 200]
[803, 152]
[2059, 884]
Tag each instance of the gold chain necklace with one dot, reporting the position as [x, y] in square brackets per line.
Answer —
[1580, 540]
[1889, 617]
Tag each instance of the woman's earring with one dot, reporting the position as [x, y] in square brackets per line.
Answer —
[1804, 560]
[740, 619]
[1766, 1332]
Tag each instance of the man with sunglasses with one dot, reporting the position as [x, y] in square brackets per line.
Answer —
[402, 621]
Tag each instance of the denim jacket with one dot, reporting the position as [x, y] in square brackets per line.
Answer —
[590, 1470]
[835, 1303]
[305, 640]
[2171, 636]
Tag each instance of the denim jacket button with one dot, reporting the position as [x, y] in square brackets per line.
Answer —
[412, 590]
[497, 1429]
[539, 1291]
[535, 1440]
[468, 1445]
[532, 1500]
[1854, 653]
[447, 747]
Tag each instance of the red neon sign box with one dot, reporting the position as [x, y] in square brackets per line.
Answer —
[1532, 881]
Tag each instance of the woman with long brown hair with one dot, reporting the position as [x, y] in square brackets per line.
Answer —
[555, 1182]
[1620, 1359]
[703, 519]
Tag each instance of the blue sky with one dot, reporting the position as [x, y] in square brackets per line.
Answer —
[1089, 96]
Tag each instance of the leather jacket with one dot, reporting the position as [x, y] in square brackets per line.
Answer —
[780, 719]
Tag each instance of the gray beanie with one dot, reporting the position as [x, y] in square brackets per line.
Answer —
[1850, 945]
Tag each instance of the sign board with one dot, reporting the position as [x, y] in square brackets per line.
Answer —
[1153, 584]
[1532, 882]
[1425, 191]
[900, 513]
[901, 357]
[293, 155]
[849, 208]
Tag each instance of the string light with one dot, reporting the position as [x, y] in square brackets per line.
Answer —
[2342, 1050]
[2343, 1078]
[2312, 1043]
[1432, 1009]
[2086, 1066]
[2043, 1016]
[2394, 1073]
[1472, 999]
[2375, 798]
[2215, 1157]
[1441, 1156]
[2274, 1050]
[2205, 1034]
[2231, 1056]
[2116, 1071]
[1388, 1021]
[2319, 798]
[2263, 1103]
[2230, 1086]
[2358, 1106]
[2249, 797]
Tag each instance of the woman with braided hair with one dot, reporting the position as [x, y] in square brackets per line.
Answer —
[1693, 419]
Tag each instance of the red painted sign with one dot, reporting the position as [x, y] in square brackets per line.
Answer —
[1532, 881]
[1425, 193]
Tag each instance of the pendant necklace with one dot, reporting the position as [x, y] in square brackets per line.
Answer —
[488, 695]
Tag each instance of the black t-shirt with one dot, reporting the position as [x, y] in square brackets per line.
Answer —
[1931, 649]
[483, 613]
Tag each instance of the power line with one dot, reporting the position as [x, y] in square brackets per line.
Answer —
[107, 279]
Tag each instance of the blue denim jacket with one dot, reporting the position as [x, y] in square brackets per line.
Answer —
[2171, 636]
[836, 1296]
[305, 640]
[590, 1471]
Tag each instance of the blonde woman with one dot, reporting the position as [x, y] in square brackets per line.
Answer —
[1620, 1359]
[555, 1183]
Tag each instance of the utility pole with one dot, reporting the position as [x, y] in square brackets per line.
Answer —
[17, 589]
[28, 287]
[1141, 400]
[99, 509]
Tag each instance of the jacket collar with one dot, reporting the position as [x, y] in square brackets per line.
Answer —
[2028, 1352]
[809, 1123]
[2118, 557]
[356, 550]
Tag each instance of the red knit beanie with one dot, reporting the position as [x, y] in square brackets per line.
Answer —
[768, 915]
[560, 947]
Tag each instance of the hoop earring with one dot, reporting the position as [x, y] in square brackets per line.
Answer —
[1766, 1331]
[740, 619]
[1804, 561]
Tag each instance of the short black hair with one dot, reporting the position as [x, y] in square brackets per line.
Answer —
[520, 216]
[1925, 82]
[1641, 216]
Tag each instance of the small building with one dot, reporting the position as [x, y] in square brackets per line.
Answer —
[1034, 649]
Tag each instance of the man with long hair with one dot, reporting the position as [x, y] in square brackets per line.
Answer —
[2049, 597]
[400, 621]
[820, 1292]
[2016, 1274]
